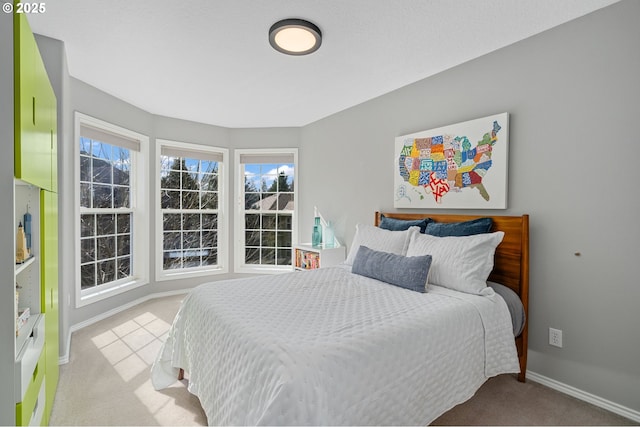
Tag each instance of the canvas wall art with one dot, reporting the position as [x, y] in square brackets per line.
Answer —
[460, 166]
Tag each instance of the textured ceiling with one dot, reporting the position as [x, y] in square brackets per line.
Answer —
[210, 61]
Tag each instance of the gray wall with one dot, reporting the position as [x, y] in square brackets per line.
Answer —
[573, 95]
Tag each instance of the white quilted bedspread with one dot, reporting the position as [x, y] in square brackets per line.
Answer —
[327, 347]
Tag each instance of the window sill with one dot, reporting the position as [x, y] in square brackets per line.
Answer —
[181, 274]
[91, 296]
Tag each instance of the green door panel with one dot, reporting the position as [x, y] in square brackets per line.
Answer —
[33, 107]
[46, 122]
[53, 138]
[49, 300]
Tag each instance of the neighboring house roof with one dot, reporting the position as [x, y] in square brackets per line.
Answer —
[277, 201]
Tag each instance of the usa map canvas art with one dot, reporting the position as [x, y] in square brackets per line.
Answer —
[460, 166]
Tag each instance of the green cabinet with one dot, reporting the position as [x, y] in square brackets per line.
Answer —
[49, 293]
[35, 111]
[35, 169]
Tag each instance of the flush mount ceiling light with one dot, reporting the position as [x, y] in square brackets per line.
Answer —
[295, 37]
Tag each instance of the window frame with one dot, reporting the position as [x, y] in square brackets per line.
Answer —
[223, 220]
[239, 210]
[139, 177]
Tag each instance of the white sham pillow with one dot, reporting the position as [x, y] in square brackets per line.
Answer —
[379, 239]
[459, 263]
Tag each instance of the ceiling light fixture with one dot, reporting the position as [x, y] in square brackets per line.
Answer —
[295, 37]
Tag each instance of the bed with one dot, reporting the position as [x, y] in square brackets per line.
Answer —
[511, 262]
[332, 347]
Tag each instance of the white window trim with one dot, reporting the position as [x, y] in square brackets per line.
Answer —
[223, 220]
[239, 246]
[139, 204]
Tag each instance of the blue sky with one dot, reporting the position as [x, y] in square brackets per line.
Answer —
[268, 172]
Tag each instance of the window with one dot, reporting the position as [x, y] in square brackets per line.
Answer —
[191, 222]
[266, 209]
[110, 209]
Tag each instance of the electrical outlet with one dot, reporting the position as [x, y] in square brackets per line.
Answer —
[555, 337]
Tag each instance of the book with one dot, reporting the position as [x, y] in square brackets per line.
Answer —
[23, 317]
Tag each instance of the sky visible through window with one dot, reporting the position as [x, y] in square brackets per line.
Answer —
[191, 164]
[119, 156]
[257, 173]
[253, 172]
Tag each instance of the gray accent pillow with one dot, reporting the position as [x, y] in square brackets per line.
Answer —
[466, 228]
[394, 224]
[406, 272]
[516, 309]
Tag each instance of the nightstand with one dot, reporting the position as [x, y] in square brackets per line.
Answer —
[308, 257]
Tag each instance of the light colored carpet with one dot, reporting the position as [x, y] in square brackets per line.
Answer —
[503, 401]
[106, 382]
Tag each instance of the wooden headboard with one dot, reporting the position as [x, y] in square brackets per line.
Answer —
[511, 261]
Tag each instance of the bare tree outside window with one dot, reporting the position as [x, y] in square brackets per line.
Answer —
[189, 199]
[105, 213]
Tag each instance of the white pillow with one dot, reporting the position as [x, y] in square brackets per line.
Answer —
[459, 263]
[379, 239]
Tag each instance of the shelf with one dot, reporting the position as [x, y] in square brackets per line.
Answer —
[26, 332]
[20, 267]
[308, 257]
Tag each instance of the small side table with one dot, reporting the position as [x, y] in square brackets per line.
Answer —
[308, 257]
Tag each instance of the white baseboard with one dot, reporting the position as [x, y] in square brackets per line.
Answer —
[64, 359]
[584, 396]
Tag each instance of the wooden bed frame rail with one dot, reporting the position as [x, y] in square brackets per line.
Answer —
[511, 261]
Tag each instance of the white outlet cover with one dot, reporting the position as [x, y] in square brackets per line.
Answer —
[555, 337]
